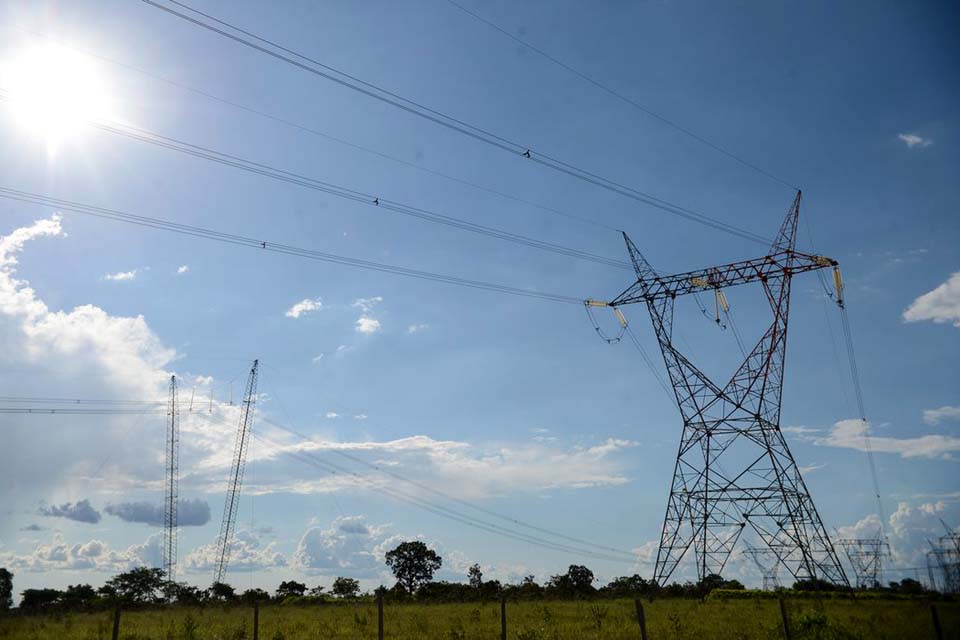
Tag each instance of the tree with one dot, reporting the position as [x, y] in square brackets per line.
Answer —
[908, 586]
[629, 586]
[254, 595]
[413, 564]
[78, 596]
[476, 576]
[317, 591]
[140, 585]
[290, 588]
[222, 591]
[182, 593]
[576, 582]
[35, 599]
[6, 589]
[345, 588]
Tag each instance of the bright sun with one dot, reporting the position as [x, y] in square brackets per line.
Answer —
[54, 92]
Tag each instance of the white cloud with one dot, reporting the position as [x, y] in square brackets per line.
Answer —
[910, 529]
[247, 553]
[121, 276]
[360, 416]
[940, 305]
[348, 546]
[936, 416]
[307, 305]
[474, 471]
[86, 352]
[849, 434]
[414, 328]
[810, 468]
[912, 140]
[366, 305]
[366, 324]
[317, 358]
[330, 415]
[184, 268]
[93, 555]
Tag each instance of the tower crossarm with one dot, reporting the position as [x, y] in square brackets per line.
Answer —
[782, 264]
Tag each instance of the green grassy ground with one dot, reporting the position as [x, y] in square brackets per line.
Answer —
[680, 619]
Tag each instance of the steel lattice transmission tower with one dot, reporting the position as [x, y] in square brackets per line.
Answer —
[171, 484]
[769, 565]
[866, 556]
[235, 479]
[757, 485]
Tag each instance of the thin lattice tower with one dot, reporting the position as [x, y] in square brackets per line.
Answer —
[235, 479]
[171, 484]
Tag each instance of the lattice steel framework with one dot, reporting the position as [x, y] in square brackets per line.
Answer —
[943, 564]
[769, 565]
[759, 486]
[866, 556]
[171, 484]
[235, 479]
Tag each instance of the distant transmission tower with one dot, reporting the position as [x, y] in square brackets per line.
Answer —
[769, 565]
[943, 563]
[758, 485]
[171, 488]
[866, 556]
[235, 479]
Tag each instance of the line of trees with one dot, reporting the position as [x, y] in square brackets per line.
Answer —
[413, 565]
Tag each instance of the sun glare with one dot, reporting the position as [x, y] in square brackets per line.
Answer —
[54, 92]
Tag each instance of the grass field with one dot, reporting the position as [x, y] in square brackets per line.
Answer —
[531, 620]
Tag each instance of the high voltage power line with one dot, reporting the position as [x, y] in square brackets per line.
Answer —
[600, 552]
[620, 96]
[301, 61]
[315, 132]
[273, 247]
[206, 153]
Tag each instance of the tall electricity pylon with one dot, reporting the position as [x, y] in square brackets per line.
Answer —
[866, 556]
[171, 484]
[235, 479]
[759, 485]
[769, 565]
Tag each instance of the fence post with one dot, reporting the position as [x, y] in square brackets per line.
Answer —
[380, 615]
[503, 617]
[641, 619]
[786, 620]
[116, 622]
[936, 621]
[256, 620]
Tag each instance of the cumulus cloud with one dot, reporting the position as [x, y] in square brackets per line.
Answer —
[81, 511]
[941, 305]
[349, 545]
[307, 305]
[86, 352]
[850, 434]
[93, 555]
[190, 512]
[943, 414]
[247, 552]
[121, 276]
[184, 268]
[912, 140]
[366, 324]
[909, 530]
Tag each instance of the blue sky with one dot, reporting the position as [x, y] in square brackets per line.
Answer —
[510, 403]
